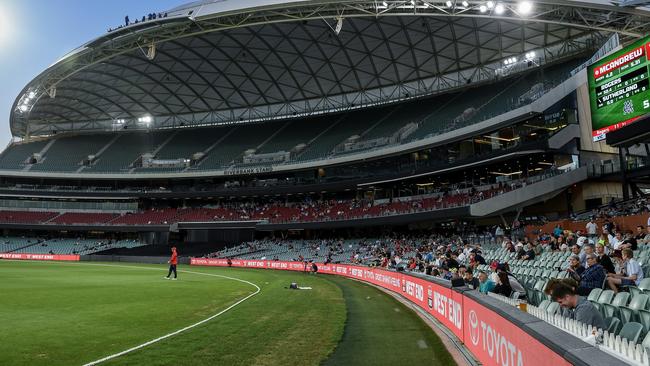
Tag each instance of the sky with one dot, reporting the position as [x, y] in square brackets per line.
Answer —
[36, 33]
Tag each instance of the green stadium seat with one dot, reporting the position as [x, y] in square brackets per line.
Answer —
[644, 318]
[593, 295]
[631, 312]
[553, 308]
[544, 304]
[605, 298]
[644, 285]
[631, 331]
[612, 309]
[612, 324]
[646, 341]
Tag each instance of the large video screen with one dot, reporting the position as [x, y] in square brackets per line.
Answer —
[618, 88]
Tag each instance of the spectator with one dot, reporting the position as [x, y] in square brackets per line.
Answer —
[520, 250]
[503, 285]
[486, 285]
[631, 273]
[578, 307]
[592, 277]
[557, 231]
[607, 226]
[604, 260]
[575, 249]
[591, 229]
[498, 233]
[471, 281]
[640, 234]
[575, 268]
[550, 285]
[616, 240]
[629, 241]
[646, 237]
[586, 251]
[529, 255]
[512, 280]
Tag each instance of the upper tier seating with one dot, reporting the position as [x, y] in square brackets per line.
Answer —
[128, 148]
[67, 153]
[433, 115]
[15, 156]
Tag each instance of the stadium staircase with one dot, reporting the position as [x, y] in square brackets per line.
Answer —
[41, 152]
[101, 151]
[313, 141]
[209, 149]
[22, 248]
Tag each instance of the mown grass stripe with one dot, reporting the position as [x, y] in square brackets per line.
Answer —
[376, 334]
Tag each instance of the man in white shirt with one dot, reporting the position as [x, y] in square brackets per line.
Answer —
[591, 228]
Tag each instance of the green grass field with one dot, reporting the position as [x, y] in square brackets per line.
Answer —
[75, 313]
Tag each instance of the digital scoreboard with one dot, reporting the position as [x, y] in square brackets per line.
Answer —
[618, 88]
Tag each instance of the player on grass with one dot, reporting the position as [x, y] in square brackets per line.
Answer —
[173, 261]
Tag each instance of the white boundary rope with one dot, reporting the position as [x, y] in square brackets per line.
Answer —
[115, 355]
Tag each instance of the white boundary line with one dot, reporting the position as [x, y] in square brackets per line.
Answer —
[115, 355]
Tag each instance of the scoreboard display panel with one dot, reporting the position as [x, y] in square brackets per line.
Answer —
[618, 88]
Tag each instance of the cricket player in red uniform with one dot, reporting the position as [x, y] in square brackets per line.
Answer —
[173, 261]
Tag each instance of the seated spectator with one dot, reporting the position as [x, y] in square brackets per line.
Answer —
[512, 280]
[485, 284]
[631, 273]
[592, 277]
[578, 307]
[529, 255]
[640, 235]
[520, 250]
[586, 250]
[575, 268]
[471, 281]
[604, 259]
[503, 285]
[478, 257]
[629, 242]
[645, 240]
[616, 241]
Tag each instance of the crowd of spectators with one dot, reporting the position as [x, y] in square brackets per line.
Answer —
[600, 256]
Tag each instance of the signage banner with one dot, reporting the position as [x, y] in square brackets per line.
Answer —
[495, 341]
[39, 257]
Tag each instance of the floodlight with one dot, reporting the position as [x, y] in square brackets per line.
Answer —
[490, 4]
[499, 9]
[525, 7]
[482, 8]
[448, 3]
[23, 108]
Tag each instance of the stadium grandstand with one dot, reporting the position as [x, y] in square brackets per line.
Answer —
[483, 162]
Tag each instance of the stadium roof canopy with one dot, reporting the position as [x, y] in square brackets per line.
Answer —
[233, 61]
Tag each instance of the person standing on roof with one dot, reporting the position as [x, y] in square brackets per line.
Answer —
[173, 261]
